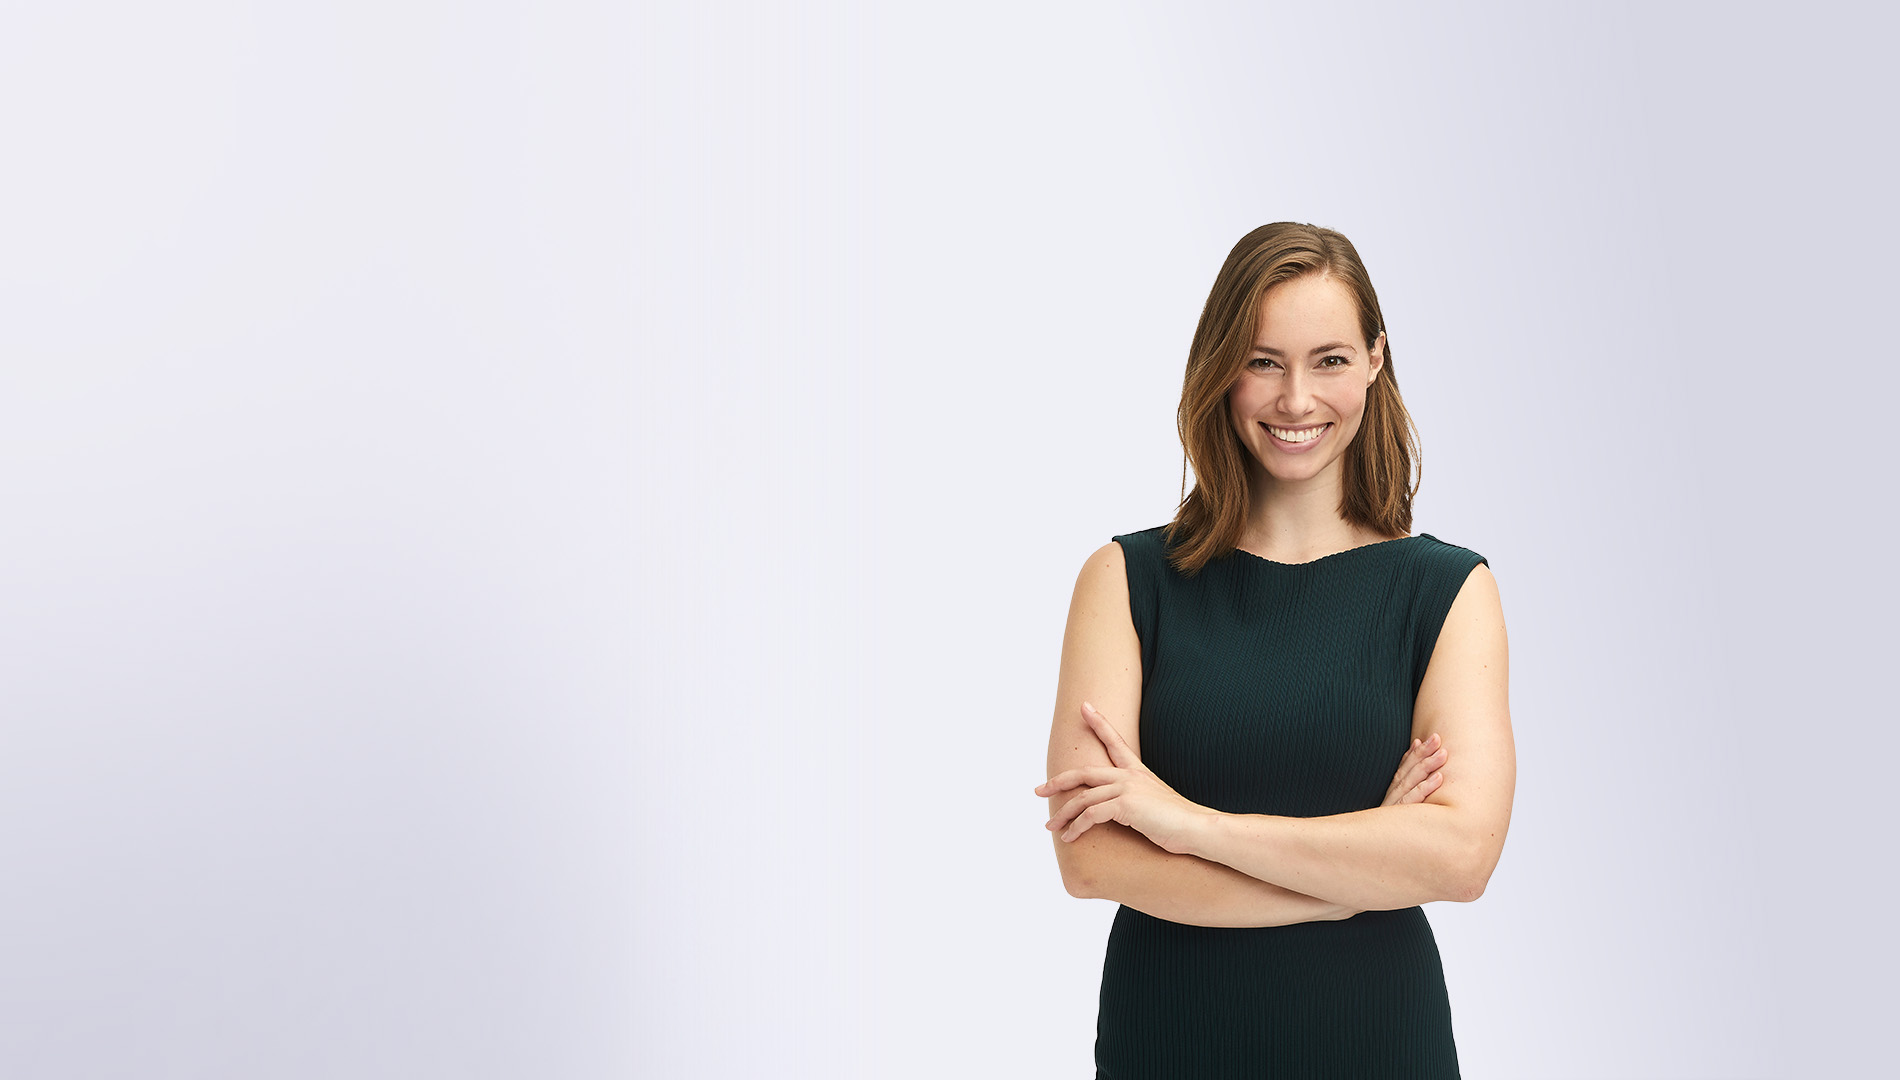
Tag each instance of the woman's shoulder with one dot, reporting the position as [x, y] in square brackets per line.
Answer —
[1443, 551]
[1143, 546]
[1442, 569]
[1154, 535]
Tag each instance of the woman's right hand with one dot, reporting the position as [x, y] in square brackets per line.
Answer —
[1416, 778]
[1418, 774]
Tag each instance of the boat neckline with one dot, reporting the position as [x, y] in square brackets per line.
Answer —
[1336, 554]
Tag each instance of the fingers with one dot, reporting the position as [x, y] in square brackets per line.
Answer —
[1094, 815]
[1080, 803]
[1423, 789]
[1417, 769]
[1419, 760]
[1402, 778]
[1092, 775]
[1423, 762]
[1119, 751]
[1419, 791]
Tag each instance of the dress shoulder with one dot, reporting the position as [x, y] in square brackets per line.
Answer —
[1148, 541]
[1441, 550]
[1145, 554]
[1437, 571]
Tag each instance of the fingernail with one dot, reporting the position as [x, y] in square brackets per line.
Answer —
[1087, 706]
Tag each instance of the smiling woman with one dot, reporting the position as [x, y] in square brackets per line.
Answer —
[1281, 407]
[1282, 723]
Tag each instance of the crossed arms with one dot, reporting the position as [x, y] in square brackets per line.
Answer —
[1123, 835]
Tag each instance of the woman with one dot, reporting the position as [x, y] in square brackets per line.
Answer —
[1237, 687]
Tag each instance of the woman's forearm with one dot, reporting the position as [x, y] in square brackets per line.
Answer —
[1113, 862]
[1379, 859]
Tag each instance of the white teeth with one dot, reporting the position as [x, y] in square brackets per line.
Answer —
[1297, 436]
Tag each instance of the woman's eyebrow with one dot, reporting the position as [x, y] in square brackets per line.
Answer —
[1340, 345]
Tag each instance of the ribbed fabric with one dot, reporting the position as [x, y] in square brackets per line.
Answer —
[1286, 689]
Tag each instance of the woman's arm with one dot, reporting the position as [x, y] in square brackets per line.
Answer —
[1189, 889]
[1186, 889]
[1388, 857]
[1101, 663]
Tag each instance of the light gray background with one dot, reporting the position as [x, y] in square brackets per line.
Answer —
[538, 536]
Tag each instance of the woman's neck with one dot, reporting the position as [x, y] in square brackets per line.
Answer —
[1297, 523]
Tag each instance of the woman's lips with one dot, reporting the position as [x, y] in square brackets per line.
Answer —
[1296, 447]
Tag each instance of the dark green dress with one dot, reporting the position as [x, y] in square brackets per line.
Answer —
[1286, 689]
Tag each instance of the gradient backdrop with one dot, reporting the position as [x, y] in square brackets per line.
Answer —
[537, 536]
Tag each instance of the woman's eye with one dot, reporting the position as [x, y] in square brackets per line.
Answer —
[1331, 362]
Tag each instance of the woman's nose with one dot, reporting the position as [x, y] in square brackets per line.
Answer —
[1296, 397]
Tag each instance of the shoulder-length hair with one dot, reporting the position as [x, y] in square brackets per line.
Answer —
[1378, 470]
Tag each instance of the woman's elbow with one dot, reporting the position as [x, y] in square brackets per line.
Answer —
[1077, 877]
[1081, 887]
[1474, 873]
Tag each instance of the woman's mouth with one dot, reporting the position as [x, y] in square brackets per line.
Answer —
[1298, 441]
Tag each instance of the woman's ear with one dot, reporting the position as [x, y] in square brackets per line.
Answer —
[1378, 357]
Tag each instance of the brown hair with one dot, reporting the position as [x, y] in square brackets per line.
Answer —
[1378, 473]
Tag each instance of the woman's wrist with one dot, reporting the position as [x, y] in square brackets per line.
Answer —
[1200, 833]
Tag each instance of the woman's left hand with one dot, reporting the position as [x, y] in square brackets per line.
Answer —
[1124, 791]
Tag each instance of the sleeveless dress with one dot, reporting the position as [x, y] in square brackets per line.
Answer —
[1284, 689]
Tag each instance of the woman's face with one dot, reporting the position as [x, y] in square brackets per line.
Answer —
[1306, 379]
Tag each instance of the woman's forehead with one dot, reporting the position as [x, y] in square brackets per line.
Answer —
[1306, 313]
